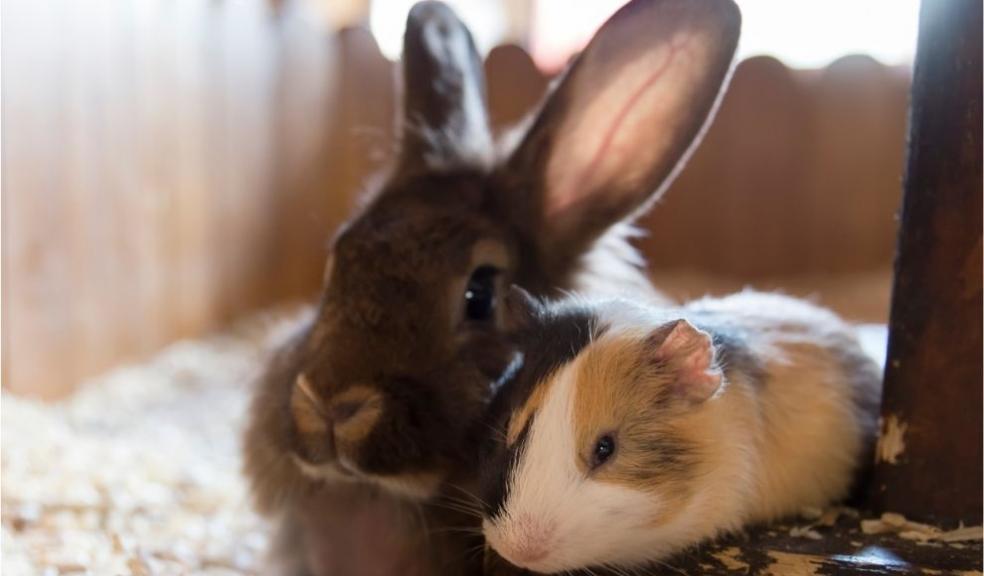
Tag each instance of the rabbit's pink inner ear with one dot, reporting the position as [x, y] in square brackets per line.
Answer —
[635, 104]
[615, 149]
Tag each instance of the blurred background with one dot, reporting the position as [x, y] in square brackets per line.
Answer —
[171, 166]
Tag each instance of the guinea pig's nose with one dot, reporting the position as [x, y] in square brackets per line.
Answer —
[530, 552]
[527, 542]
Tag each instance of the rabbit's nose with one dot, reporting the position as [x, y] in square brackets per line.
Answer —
[354, 414]
[344, 411]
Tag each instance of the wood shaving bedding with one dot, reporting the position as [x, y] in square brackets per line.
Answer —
[139, 473]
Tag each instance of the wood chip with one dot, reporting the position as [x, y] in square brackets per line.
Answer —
[891, 522]
[805, 532]
[963, 534]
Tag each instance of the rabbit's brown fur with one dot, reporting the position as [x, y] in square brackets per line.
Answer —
[393, 360]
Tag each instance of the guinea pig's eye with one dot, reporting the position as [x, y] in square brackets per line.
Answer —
[603, 450]
[480, 294]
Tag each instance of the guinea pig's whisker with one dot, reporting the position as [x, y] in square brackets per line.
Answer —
[618, 570]
[470, 494]
[474, 551]
[458, 499]
[468, 505]
[451, 504]
[456, 507]
[669, 567]
[497, 433]
[472, 530]
[447, 502]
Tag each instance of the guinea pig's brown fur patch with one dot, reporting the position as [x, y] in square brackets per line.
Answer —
[623, 390]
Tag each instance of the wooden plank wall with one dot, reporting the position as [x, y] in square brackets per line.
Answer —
[169, 166]
[143, 144]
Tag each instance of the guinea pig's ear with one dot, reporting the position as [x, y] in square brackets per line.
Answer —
[689, 353]
[609, 139]
[445, 123]
[521, 310]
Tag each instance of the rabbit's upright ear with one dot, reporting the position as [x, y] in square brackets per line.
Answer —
[445, 123]
[608, 140]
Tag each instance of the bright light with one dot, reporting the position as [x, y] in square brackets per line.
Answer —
[561, 28]
[801, 33]
[810, 33]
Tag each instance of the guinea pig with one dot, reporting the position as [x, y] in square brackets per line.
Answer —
[632, 432]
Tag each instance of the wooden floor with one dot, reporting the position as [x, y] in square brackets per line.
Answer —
[793, 549]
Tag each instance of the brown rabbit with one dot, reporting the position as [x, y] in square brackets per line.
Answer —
[363, 433]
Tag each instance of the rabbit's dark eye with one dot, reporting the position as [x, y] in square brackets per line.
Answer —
[603, 450]
[480, 294]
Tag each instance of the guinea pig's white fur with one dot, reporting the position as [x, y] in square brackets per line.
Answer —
[785, 430]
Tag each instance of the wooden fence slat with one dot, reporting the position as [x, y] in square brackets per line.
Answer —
[855, 156]
[737, 181]
[289, 232]
[514, 85]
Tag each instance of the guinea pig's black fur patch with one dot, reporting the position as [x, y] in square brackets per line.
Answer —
[554, 335]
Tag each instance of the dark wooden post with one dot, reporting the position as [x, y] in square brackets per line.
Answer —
[929, 461]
